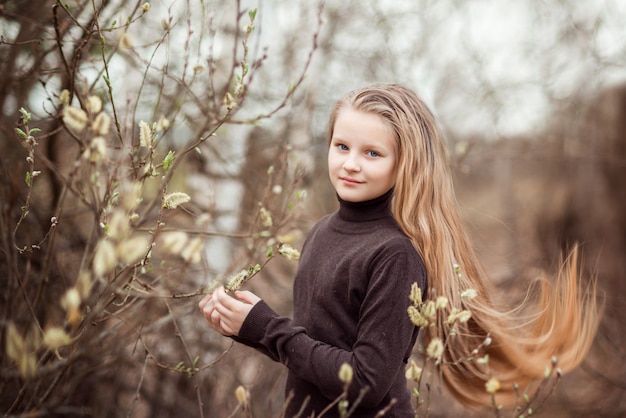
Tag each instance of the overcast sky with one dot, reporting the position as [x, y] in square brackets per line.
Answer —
[485, 66]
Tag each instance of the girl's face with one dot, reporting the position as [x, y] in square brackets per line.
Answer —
[362, 156]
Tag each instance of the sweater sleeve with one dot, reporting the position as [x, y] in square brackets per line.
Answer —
[385, 335]
[259, 347]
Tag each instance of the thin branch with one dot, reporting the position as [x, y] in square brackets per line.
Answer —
[143, 374]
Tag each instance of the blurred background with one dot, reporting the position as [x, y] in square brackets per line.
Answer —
[531, 97]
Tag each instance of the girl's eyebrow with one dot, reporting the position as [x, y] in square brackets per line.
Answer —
[376, 146]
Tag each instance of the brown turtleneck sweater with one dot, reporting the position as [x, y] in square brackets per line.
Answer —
[351, 294]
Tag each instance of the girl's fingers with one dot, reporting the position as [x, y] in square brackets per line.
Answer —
[247, 297]
[207, 306]
[226, 313]
[215, 318]
[227, 329]
[219, 295]
[204, 301]
[226, 301]
[236, 303]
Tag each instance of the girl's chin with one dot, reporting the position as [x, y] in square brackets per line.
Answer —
[355, 196]
[352, 197]
[345, 196]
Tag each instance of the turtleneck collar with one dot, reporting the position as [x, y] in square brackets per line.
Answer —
[368, 210]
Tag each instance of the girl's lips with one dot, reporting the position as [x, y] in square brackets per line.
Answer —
[349, 180]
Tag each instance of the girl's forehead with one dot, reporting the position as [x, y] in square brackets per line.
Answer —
[357, 120]
[366, 128]
[353, 114]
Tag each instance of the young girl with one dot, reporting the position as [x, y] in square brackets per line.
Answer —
[397, 224]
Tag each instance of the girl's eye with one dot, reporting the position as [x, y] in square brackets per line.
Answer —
[342, 147]
[373, 154]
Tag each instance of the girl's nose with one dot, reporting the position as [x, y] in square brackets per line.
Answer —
[351, 163]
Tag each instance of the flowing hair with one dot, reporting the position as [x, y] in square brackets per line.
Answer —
[564, 321]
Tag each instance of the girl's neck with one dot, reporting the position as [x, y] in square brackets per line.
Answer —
[367, 210]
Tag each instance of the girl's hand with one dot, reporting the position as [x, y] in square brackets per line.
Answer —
[225, 313]
[207, 307]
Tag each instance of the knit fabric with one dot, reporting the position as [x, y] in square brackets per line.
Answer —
[351, 294]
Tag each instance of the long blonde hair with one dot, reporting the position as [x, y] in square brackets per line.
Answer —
[565, 320]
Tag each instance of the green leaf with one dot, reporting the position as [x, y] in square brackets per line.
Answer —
[547, 373]
[253, 269]
[35, 131]
[167, 161]
[27, 116]
[27, 179]
[20, 132]
[252, 14]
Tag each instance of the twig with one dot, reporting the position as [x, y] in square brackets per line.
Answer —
[386, 409]
[136, 397]
[107, 76]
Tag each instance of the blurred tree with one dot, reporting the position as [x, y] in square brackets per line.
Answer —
[515, 86]
[120, 205]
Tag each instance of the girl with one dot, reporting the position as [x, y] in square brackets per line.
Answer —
[397, 224]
